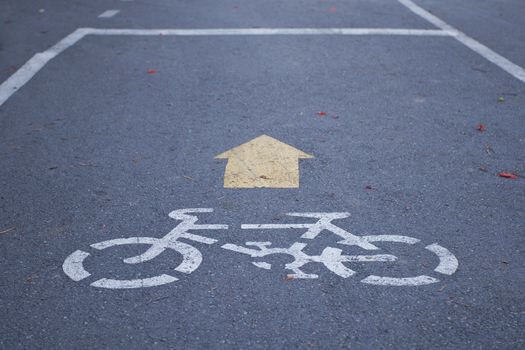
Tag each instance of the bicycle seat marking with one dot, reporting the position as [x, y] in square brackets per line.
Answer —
[331, 258]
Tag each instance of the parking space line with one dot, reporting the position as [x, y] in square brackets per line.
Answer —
[31, 67]
[108, 13]
[274, 31]
[35, 63]
[39, 60]
[511, 68]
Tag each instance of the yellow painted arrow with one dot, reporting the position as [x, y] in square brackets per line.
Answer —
[262, 162]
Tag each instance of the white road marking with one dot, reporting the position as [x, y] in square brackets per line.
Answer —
[324, 223]
[391, 238]
[31, 67]
[73, 266]
[333, 259]
[130, 284]
[274, 31]
[396, 281]
[124, 241]
[108, 13]
[448, 264]
[511, 68]
[262, 265]
[272, 226]
[39, 60]
[330, 257]
[191, 256]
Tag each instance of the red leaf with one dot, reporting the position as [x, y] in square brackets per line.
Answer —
[321, 114]
[152, 71]
[481, 128]
[508, 176]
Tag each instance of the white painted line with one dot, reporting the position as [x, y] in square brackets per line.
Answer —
[262, 265]
[324, 223]
[31, 67]
[138, 283]
[108, 13]
[395, 281]
[511, 68]
[368, 258]
[448, 264]
[273, 226]
[274, 31]
[391, 238]
[28, 70]
[124, 241]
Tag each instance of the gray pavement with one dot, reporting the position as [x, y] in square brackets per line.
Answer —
[94, 147]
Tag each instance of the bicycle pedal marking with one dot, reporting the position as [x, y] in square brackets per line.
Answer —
[333, 259]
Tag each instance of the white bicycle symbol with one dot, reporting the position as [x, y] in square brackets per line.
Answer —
[331, 258]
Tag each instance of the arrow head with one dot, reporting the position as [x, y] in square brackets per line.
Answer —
[264, 146]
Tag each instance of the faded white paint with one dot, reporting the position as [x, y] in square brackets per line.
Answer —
[262, 265]
[108, 13]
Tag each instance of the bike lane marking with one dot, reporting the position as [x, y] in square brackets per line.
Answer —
[332, 258]
[262, 162]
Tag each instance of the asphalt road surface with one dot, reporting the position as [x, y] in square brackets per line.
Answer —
[408, 118]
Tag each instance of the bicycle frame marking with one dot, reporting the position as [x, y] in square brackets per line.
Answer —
[314, 229]
[332, 258]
